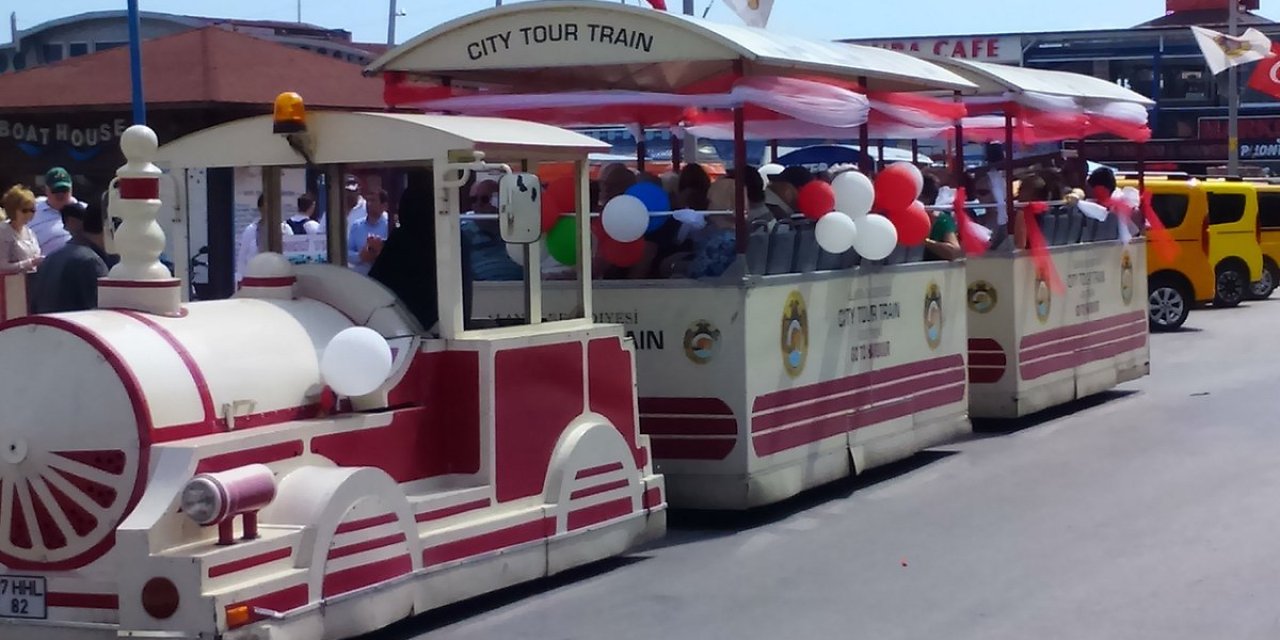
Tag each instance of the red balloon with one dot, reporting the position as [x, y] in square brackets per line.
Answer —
[913, 224]
[816, 199]
[557, 198]
[895, 189]
[620, 254]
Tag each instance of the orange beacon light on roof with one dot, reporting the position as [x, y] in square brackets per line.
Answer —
[290, 114]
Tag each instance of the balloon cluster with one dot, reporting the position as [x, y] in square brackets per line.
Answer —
[843, 211]
[626, 219]
[898, 190]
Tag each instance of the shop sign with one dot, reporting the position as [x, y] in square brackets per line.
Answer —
[1006, 49]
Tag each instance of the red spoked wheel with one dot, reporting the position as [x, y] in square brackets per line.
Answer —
[70, 467]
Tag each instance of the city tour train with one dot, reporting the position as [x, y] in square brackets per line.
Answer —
[311, 459]
[794, 368]
[798, 366]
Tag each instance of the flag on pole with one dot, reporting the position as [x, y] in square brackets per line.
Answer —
[1222, 51]
[660, 5]
[1266, 76]
[753, 12]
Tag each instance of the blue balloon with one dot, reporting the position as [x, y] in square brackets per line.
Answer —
[654, 199]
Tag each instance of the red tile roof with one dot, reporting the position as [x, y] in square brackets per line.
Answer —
[202, 66]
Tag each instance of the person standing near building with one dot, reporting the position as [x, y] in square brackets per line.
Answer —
[47, 225]
[303, 222]
[68, 279]
[19, 249]
[365, 236]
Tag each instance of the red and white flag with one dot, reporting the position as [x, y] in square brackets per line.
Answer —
[753, 12]
[660, 5]
[1266, 76]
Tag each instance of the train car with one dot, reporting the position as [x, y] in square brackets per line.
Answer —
[797, 367]
[307, 460]
[1045, 332]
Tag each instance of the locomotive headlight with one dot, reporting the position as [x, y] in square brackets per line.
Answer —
[202, 501]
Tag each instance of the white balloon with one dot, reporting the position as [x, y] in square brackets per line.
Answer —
[356, 362]
[625, 218]
[916, 175]
[876, 238]
[770, 169]
[835, 232]
[854, 193]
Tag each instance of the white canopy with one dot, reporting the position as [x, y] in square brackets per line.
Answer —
[996, 79]
[562, 45]
[365, 138]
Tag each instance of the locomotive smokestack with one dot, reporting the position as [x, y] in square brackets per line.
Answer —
[139, 281]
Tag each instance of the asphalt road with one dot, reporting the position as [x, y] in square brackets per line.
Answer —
[1149, 512]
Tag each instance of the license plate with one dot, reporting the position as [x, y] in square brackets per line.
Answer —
[22, 597]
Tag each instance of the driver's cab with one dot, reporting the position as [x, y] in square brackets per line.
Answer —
[444, 155]
[486, 409]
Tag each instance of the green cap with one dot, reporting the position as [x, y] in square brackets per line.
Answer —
[57, 179]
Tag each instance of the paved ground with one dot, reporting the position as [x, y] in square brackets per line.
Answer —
[1151, 512]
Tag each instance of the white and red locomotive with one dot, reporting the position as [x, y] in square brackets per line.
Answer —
[174, 470]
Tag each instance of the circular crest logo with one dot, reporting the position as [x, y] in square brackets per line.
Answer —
[982, 297]
[1044, 298]
[795, 334]
[701, 342]
[1126, 278]
[933, 315]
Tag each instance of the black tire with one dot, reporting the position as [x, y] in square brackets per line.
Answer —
[1169, 302]
[1266, 285]
[1231, 285]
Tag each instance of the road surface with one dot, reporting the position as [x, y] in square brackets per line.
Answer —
[1150, 512]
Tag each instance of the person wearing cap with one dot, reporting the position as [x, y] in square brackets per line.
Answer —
[68, 279]
[47, 225]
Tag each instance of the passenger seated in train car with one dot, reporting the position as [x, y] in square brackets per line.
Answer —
[489, 258]
[407, 264]
[1029, 189]
[943, 242]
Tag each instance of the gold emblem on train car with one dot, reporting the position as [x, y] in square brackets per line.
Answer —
[1126, 278]
[1044, 298]
[701, 341]
[795, 334]
[933, 315]
[982, 297]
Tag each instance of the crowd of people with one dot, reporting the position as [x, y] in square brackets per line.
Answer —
[57, 241]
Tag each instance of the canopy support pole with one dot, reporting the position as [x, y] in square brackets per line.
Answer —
[880, 152]
[915, 151]
[641, 150]
[677, 153]
[773, 150]
[959, 149]
[740, 177]
[1008, 169]
[1142, 168]
[864, 136]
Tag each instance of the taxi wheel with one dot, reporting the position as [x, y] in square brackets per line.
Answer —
[1231, 287]
[1169, 304]
[1266, 285]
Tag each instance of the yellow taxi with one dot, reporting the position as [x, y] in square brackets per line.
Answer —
[1215, 223]
[1268, 237]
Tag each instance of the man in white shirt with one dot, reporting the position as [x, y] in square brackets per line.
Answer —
[357, 206]
[251, 239]
[47, 223]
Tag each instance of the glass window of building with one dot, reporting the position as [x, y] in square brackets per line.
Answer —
[1135, 75]
[103, 46]
[77, 49]
[51, 52]
[1187, 81]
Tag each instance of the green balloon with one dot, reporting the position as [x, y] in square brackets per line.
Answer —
[562, 241]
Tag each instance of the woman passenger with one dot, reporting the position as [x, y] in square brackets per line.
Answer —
[19, 249]
[1031, 189]
[943, 242]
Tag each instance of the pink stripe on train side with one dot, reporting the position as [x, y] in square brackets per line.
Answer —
[787, 397]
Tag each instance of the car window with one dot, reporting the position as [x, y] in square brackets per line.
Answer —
[1171, 208]
[1269, 210]
[1225, 208]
